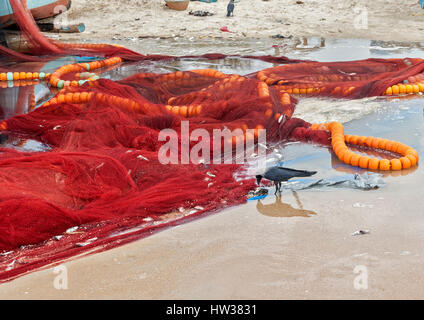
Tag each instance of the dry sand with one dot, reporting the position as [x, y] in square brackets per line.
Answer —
[400, 20]
[287, 250]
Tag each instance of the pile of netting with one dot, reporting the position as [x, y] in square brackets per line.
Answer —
[103, 184]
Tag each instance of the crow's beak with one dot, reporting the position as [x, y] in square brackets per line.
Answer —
[258, 180]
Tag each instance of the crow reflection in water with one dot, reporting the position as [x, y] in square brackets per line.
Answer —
[283, 210]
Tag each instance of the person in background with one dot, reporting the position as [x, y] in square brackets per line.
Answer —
[230, 8]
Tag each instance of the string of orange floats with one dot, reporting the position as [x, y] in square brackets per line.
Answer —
[316, 84]
[16, 76]
[339, 139]
[56, 78]
[402, 88]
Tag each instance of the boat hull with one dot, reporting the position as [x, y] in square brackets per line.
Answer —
[179, 5]
[40, 9]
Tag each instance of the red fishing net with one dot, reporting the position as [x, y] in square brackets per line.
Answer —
[352, 79]
[103, 173]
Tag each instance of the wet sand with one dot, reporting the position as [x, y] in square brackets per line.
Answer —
[244, 254]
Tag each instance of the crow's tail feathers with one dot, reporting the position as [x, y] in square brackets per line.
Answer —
[300, 173]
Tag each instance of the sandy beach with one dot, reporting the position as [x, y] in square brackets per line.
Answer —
[378, 20]
[302, 245]
[243, 254]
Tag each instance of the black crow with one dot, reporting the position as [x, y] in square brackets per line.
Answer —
[280, 174]
[230, 8]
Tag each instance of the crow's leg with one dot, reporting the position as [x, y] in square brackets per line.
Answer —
[277, 188]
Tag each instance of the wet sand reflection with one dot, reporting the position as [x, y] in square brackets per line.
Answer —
[280, 209]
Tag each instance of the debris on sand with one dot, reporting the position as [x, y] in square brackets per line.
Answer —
[258, 193]
[200, 13]
[362, 205]
[280, 36]
[361, 232]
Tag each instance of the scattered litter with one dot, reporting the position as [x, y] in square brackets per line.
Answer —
[362, 205]
[57, 127]
[181, 210]
[71, 230]
[199, 208]
[225, 29]
[361, 232]
[279, 45]
[280, 36]
[10, 265]
[258, 194]
[193, 212]
[86, 243]
[360, 255]
[200, 13]
[368, 181]
[263, 146]
[148, 219]
[58, 238]
[210, 174]
[6, 253]
[142, 158]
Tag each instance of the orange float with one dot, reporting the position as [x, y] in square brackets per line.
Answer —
[409, 157]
